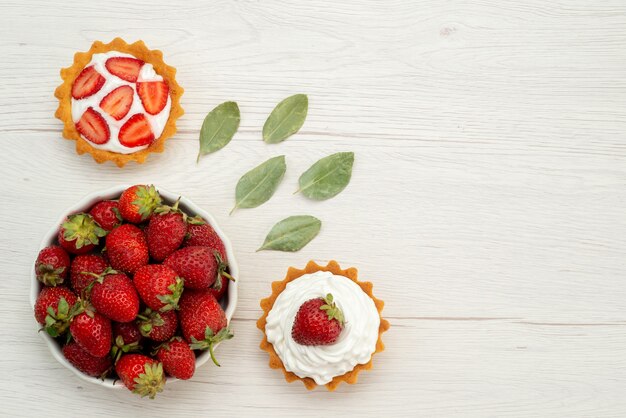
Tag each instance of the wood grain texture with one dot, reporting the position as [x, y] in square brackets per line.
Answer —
[486, 204]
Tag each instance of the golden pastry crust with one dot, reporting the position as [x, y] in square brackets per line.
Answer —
[277, 287]
[64, 94]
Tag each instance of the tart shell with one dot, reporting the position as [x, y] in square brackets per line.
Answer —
[64, 94]
[277, 287]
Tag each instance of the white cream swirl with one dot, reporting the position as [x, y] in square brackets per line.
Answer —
[355, 345]
[147, 73]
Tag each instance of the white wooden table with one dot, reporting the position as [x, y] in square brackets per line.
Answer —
[487, 203]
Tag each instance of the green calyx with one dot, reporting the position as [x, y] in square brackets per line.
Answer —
[171, 299]
[58, 322]
[165, 346]
[147, 200]
[97, 278]
[165, 209]
[48, 275]
[119, 348]
[196, 220]
[148, 320]
[151, 381]
[209, 341]
[222, 265]
[332, 310]
[82, 229]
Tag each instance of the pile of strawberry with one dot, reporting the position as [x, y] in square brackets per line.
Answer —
[135, 132]
[133, 288]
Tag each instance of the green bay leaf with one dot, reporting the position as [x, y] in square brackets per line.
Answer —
[327, 177]
[292, 233]
[259, 184]
[218, 128]
[286, 119]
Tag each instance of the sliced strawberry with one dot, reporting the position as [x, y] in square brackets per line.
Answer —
[93, 127]
[153, 95]
[88, 82]
[124, 67]
[136, 131]
[118, 102]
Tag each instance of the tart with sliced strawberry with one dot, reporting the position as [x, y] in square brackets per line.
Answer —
[119, 102]
[321, 325]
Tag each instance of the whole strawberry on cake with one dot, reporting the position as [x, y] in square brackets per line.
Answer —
[119, 101]
[321, 325]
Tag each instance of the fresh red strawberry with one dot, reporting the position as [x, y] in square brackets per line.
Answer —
[141, 374]
[200, 233]
[128, 331]
[166, 231]
[88, 82]
[85, 362]
[106, 214]
[136, 132]
[126, 339]
[318, 322]
[203, 320]
[92, 331]
[125, 68]
[219, 288]
[80, 234]
[153, 95]
[158, 326]
[52, 265]
[127, 249]
[158, 287]
[177, 358]
[198, 266]
[82, 266]
[138, 202]
[118, 102]
[54, 308]
[114, 296]
[93, 127]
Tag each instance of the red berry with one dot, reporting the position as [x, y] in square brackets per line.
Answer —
[52, 265]
[80, 234]
[128, 331]
[153, 95]
[88, 82]
[81, 267]
[166, 231]
[136, 132]
[127, 249]
[60, 300]
[137, 203]
[93, 127]
[159, 287]
[158, 326]
[126, 68]
[85, 362]
[106, 214]
[198, 266]
[219, 288]
[126, 339]
[92, 331]
[141, 374]
[118, 102]
[200, 233]
[177, 358]
[203, 320]
[114, 296]
[318, 322]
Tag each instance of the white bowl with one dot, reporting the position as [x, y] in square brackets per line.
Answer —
[113, 193]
